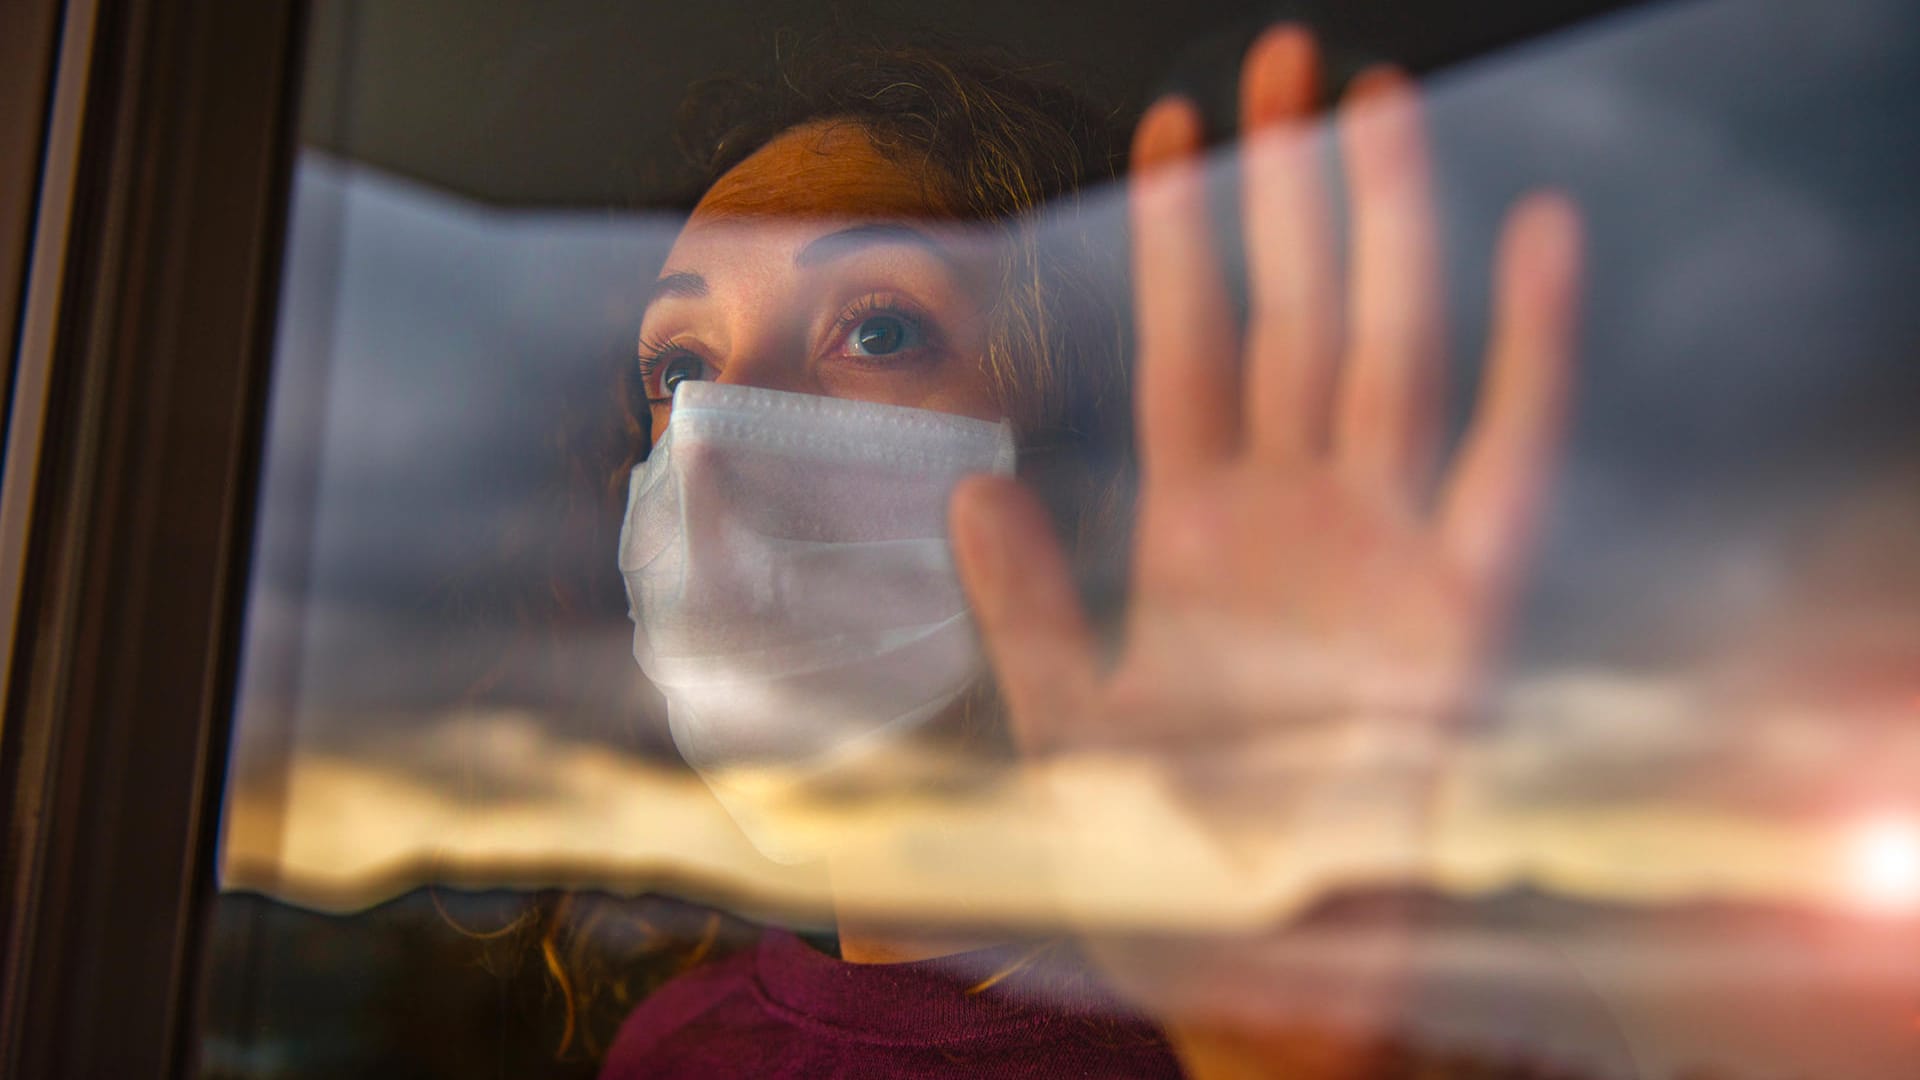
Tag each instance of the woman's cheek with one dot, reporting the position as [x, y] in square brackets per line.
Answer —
[957, 384]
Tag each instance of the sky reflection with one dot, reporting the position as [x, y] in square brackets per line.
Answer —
[1713, 690]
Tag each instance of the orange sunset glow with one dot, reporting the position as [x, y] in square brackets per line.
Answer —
[1884, 862]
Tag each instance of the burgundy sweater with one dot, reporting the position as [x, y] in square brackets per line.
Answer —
[782, 1009]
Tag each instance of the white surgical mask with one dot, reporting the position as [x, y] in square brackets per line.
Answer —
[791, 584]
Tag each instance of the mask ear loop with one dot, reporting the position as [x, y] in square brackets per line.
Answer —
[1008, 457]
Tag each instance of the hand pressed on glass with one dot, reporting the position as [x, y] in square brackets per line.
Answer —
[1294, 561]
[1287, 561]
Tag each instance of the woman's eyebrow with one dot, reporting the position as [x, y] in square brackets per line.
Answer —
[688, 285]
[844, 242]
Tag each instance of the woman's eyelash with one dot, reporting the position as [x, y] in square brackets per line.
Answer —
[656, 352]
[653, 354]
[650, 357]
[886, 304]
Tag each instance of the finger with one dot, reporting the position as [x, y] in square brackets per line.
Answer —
[1293, 326]
[1388, 424]
[1188, 380]
[1026, 607]
[1491, 506]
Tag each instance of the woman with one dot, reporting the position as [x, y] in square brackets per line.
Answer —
[825, 357]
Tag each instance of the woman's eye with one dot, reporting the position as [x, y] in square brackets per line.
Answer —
[680, 369]
[883, 335]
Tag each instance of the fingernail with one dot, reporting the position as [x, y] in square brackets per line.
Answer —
[1378, 80]
[1280, 66]
[1551, 235]
[1169, 130]
[1379, 112]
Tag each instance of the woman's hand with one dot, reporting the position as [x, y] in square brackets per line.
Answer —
[1301, 561]
[1293, 556]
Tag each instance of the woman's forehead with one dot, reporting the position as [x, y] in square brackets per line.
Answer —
[817, 190]
[812, 242]
[826, 169]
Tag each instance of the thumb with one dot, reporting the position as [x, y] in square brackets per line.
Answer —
[1025, 605]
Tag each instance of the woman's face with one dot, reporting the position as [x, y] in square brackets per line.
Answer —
[819, 266]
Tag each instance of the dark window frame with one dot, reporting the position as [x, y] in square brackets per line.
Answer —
[27, 63]
[134, 565]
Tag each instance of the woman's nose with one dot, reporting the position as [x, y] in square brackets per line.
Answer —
[769, 368]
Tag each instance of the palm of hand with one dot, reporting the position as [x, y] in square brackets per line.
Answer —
[1268, 596]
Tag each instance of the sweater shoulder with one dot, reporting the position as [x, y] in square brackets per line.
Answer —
[678, 1005]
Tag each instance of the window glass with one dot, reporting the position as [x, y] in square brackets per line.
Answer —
[1452, 763]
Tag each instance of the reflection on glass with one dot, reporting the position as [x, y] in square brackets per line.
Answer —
[1323, 766]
